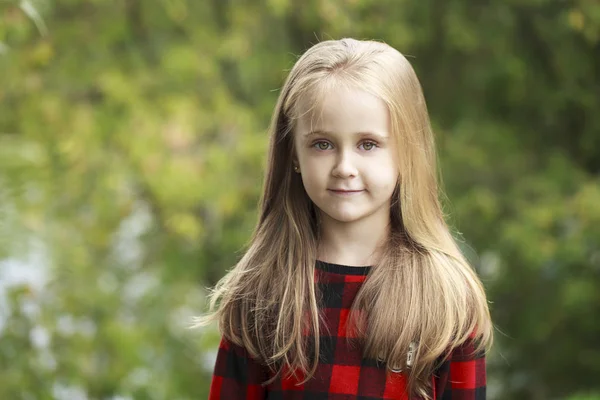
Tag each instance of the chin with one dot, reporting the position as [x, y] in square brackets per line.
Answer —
[345, 216]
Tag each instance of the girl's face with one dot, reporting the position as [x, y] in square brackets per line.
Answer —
[346, 155]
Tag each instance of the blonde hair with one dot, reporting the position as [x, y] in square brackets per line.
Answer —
[421, 290]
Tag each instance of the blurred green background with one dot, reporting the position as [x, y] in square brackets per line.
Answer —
[132, 142]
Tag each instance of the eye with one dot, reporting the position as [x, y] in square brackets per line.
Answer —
[368, 145]
[321, 145]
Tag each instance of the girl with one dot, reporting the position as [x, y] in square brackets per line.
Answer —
[352, 286]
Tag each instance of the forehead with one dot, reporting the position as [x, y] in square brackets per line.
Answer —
[342, 110]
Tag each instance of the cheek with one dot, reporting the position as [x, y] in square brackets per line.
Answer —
[384, 174]
[312, 177]
[313, 167]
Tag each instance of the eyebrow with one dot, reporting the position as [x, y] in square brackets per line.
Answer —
[321, 132]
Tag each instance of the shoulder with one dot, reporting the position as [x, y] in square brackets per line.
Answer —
[462, 370]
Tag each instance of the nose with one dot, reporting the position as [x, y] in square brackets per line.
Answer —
[344, 167]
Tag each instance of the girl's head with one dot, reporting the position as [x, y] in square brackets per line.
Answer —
[351, 116]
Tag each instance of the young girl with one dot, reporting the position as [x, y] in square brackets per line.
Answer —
[352, 286]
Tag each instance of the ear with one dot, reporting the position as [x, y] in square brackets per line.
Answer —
[295, 161]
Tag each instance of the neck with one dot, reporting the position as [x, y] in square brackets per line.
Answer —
[355, 243]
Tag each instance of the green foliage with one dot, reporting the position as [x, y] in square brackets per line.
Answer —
[132, 140]
[588, 396]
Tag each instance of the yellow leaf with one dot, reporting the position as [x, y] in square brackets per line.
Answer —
[576, 20]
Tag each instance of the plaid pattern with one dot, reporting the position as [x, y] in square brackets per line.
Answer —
[342, 373]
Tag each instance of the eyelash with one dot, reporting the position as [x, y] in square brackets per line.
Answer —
[374, 145]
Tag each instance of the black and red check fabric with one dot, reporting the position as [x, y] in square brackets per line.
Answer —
[342, 373]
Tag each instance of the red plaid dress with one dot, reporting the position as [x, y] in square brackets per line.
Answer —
[342, 374]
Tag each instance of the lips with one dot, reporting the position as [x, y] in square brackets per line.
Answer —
[345, 191]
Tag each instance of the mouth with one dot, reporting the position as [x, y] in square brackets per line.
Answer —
[345, 192]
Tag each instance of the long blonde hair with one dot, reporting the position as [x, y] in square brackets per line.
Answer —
[421, 290]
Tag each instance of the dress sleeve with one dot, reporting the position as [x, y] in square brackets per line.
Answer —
[463, 375]
[237, 376]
